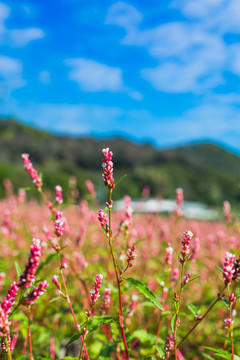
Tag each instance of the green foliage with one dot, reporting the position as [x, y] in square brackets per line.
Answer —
[144, 290]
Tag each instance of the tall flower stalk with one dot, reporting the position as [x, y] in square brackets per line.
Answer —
[109, 183]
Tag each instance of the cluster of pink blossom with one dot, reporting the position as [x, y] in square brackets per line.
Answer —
[33, 295]
[95, 288]
[127, 222]
[168, 347]
[32, 172]
[8, 301]
[185, 252]
[228, 268]
[6, 308]
[168, 254]
[186, 278]
[132, 305]
[3, 344]
[59, 197]
[179, 202]
[90, 189]
[28, 275]
[228, 323]
[106, 299]
[236, 275]
[55, 281]
[108, 168]
[227, 210]
[59, 224]
[102, 217]
[131, 256]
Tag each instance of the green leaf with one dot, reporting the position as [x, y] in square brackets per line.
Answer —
[219, 268]
[56, 298]
[117, 182]
[48, 259]
[43, 358]
[208, 356]
[194, 309]
[159, 351]
[222, 353]
[93, 324]
[173, 322]
[70, 358]
[18, 269]
[226, 302]
[144, 290]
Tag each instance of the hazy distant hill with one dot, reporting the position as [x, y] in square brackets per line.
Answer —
[205, 171]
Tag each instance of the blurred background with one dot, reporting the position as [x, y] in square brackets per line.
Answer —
[157, 82]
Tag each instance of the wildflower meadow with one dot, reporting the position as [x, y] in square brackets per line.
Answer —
[83, 281]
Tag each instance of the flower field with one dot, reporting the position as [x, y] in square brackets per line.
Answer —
[80, 282]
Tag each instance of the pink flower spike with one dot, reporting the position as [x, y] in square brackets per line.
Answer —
[108, 168]
[35, 293]
[95, 288]
[28, 275]
[32, 172]
[59, 198]
[131, 256]
[185, 253]
[228, 268]
[55, 281]
[102, 217]
[106, 299]
[59, 224]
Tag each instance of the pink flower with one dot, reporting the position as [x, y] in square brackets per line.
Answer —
[106, 299]
[185, 253]
[35, 293]
[108, 168]
[32, 172]
[228, 268]
[169, 346]
[168, 254]
[55, 281]
[102, 217]
[131, 256]
[95, 288]
[186, 278]
[59, 224]
[90, 188]
[28, 275]
[59, 198]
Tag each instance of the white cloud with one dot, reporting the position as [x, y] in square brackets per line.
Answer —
[22, 37]
[10, 73]
[94, 76]
[192, 56]
[16, 37]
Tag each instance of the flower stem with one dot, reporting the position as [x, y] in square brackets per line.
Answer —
[8, 349]
[29, 333]
[118, 278]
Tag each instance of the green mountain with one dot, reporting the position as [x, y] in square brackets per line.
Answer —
[206, 172]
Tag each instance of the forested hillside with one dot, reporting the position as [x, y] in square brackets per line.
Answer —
[205, 171]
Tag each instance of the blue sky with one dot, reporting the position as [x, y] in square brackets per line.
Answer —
[165, 71]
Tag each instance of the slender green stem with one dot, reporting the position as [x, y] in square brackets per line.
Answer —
[8, 349]
[29, 333]
[230, 316]
[80, 354]
[177, 311]
[118, 278]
